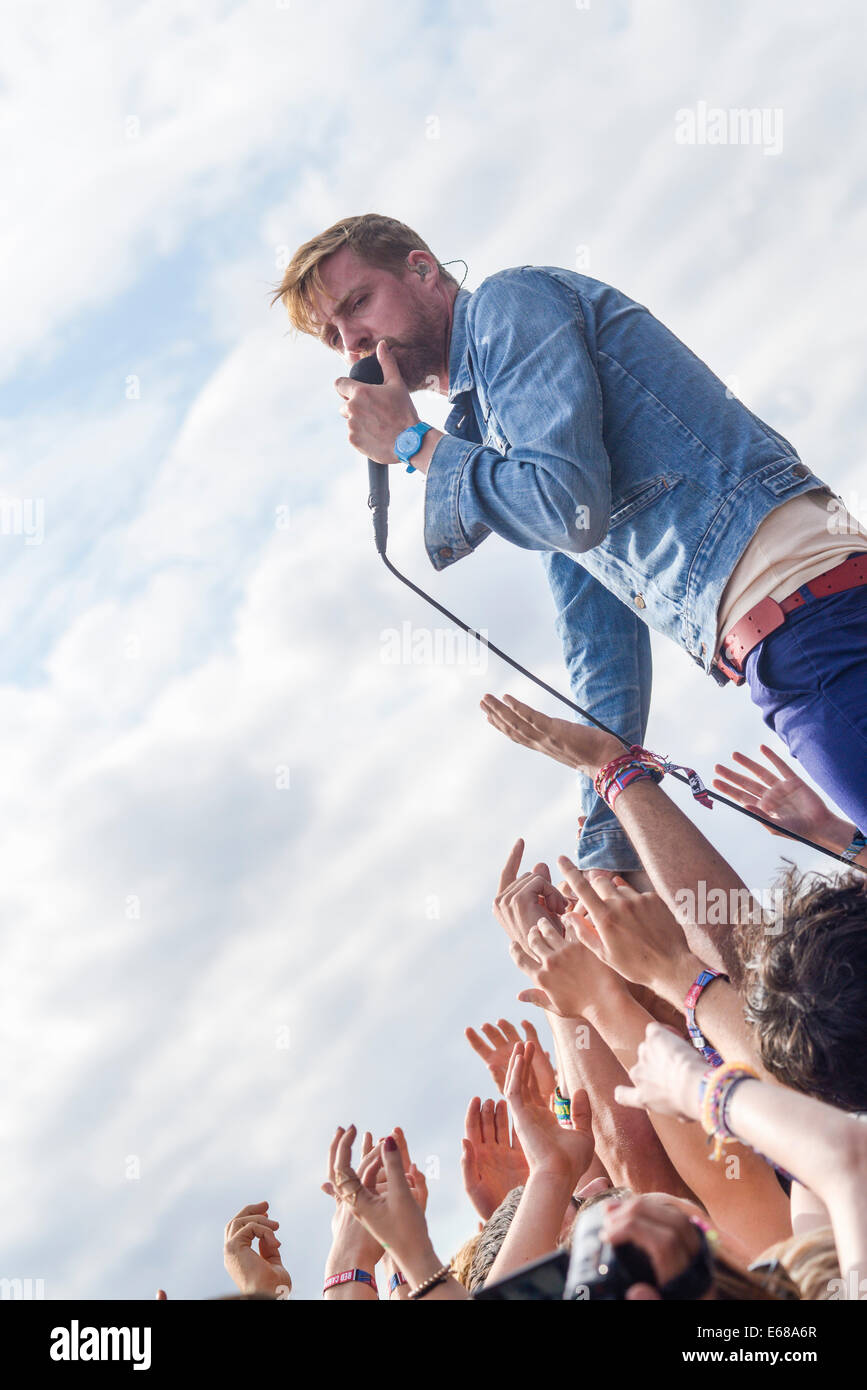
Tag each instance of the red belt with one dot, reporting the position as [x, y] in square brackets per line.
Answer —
[768, 615]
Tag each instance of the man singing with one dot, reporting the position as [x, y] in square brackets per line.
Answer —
[583, 428]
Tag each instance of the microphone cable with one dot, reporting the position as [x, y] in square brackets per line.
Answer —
[368, 371]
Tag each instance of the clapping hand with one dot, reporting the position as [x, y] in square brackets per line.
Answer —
[550, 1147]
[492, 1162]
[496, 1053]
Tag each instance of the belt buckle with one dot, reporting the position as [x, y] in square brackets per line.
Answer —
[723, 671]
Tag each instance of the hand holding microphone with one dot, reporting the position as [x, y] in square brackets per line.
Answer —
[376, 417]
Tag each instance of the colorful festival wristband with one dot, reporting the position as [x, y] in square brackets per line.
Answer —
[855, 847]
[562, 1108]
[395, 1281]
[638, 763]
[350, 1276]
[694, 993]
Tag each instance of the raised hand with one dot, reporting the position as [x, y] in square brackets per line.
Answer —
[549, 1147]
[389, 1213]
[252, 1271]
[567, 977]
[414, 1176]
[576, 745]
[521, 898]
[666, 1077]
[633, 933]
[352, 1247]
[492, 1162]
[496, 1053]
[781, 795]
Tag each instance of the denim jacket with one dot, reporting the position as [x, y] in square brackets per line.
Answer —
[584, 429]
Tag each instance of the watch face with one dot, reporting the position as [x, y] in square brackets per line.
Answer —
[407, 439]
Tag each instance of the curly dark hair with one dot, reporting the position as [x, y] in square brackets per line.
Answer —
[805, 987]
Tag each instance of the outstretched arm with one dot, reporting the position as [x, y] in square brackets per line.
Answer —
[683, 866]
[825, 1148]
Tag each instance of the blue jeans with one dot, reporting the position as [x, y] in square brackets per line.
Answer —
[809, 679]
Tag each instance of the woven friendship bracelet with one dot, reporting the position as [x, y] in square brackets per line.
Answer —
[715, 1093]
[717, 1084]
[640, 762]
[395, 1281]
[562, 1108]
[854, 847]
[699, 1041]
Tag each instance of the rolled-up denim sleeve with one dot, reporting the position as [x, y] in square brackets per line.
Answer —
[607, 652]
[551, 488]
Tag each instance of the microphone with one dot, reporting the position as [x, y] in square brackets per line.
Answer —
[368, 370]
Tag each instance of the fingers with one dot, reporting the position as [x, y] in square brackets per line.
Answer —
[544, 940]
[755, 768]
[393, 1164]
[478, 1044]
[746, 784]
[501, 1123]
[585, 891]
[728, 789]
[400, 1139]
[255, 1211]
[629, 1097]
[522, 958]
[472, 1122]
[538, 998]
[666, 1236]
[509, 1031]
[494, 1036]
[487, 1122]
[250, 1231]
[512, 1084]
[580, 1112]
[512, 865]
[777, 762]
[469, 1163]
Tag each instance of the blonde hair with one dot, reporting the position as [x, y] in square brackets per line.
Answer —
[382, 242]
[810, 1260]
[463, 1261]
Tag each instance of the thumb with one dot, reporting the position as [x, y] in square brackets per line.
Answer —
[537, 997]
[385, 358]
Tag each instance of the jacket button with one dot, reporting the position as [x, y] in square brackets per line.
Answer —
[446, 553]
[639, 601]
[800, 471]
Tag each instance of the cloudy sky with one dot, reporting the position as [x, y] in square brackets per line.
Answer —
[247, 865]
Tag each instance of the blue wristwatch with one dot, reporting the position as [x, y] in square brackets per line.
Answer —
[408, 443]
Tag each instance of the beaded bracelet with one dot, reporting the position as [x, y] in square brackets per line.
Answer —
[349, 1276]
[431, 1283]
[854, 847]
[699, 1041]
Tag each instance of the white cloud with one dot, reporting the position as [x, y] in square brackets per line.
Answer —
[169, 648]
